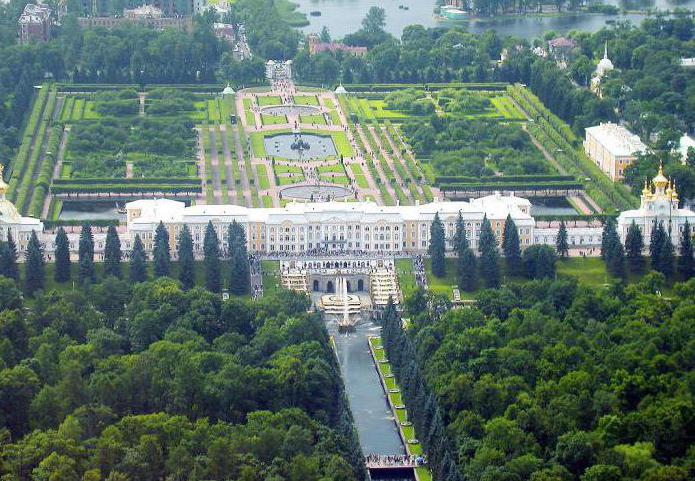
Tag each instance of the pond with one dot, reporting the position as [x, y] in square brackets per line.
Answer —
[315, 193]
[290, 110]
[551, 206]
[345, 16]
[90, 210]
[285, 146]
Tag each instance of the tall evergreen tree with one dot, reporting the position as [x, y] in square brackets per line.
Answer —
[511, 247]
[186, 259]
[35, 276]
[8, 258]
[561, 243]
[686, 263]
[239, 272]
[612, 249]
[489, 255]
[112, 253]
[86, 271]
[467, 268]
[211, 251]
[656, 241]
[161, 256]
[665, 265]
[62, 257]
[437, 247]
[138, 261]
[634, 244]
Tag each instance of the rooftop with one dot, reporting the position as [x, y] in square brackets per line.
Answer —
[617, 139]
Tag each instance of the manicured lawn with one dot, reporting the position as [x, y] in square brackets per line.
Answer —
[312, 119]
[335, 168]
[257, 144]
[89, 111]
[267, 201]
[273, 119]
[359, 176]
[306, 100]
[335, 179]
[342, 144]
[443, 285]
[270, 273]
[263, 177]
[406, 278]
[268, 100]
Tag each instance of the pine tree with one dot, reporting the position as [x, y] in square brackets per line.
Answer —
[656, 241]
[666, 258]
[561, 244]
[239, 275]
[62, 257]
[86, 271]
[161, 256]
[686, 263]
[634, 244]
[8, 258]
[112, 253]
[138, 261]
[186, 259]
[211, 251]
[437, 247]
[612, 249]
[35, 276]
[511, 247]
[467, 268]
[489, 267]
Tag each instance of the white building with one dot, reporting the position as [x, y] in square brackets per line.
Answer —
[604, 67]
[659, 204]
[332, 226]
[685, 143]
[11, 222]
[613, 148]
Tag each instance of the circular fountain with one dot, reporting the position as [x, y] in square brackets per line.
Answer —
[344, 307]
[290, 110]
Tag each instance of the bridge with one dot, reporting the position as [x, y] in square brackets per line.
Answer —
[394, 462]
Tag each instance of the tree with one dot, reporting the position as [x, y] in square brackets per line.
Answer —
[467, 268]
[112, 253]
[239, 273]
[511, 247]
[375, 20]
[489, 268]
[186, 259]
[539, 262]
[8, 258]
[612, 249]
[138, 261]
[437, 247]
[686, 264]
[634, 244]
[656, 240]
[211, 251]
[666, 258]
[62, 257]
[35, 275]
[561, 244]
[86, 271]
[161, 257]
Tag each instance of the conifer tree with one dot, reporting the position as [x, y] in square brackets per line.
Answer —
[665, 265]
[489, 267]
[656, 240]
[62, 257]
[467, 268]
[561, 244]
[634, 244]
[612, 249]
[86, 271]
[138, 261]
[35, 276]
[8, 258]
[437, 247]
[186, 259]
[211, 251]
[686, 263]
[112, 253]
[511, 247]
[239, 273]
[161, 256]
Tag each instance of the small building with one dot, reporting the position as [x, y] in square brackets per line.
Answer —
[687, 62]
[561, 48]
[612, 147]
[658, 205]
[184, 24]
[685, 143]
[604, 67]
[35, 23]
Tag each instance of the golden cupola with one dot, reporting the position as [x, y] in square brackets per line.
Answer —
[660, 181]
[646, 191]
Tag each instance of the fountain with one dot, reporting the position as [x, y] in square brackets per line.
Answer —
[342, 306]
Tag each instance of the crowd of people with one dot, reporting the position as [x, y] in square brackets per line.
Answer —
[395, 460]
[419, 271]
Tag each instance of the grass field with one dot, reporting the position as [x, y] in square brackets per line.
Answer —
[312, 119]
[263, 181]
[270, 274]
[306, 100]
[268, 100]
[360, 178]
[267, 119]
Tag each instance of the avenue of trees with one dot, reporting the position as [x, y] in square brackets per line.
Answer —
[547, 380]
[125, 382]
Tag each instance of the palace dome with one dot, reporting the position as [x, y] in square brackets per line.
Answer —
[605, 65]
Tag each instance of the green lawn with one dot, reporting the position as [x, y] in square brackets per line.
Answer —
[267, 119]
[270, 273]
[335, 179]
[263, 177]
[268, 100]
[306, 100]
[267, 201]
[287, 169]
[359, 176]
[406, 278]
[312, 119]
[335, 168]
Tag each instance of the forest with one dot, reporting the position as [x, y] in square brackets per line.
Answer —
[550, 380]
[148, 381]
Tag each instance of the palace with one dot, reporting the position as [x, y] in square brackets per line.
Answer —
[658, 204]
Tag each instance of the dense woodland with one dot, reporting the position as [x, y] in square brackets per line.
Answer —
[147, 381]
[552, 381]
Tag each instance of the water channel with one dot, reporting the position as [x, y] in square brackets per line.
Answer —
[344, 16]
[373, 418]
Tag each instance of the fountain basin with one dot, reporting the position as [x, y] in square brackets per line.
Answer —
[281, 146]
[315, 193]
[290, 110]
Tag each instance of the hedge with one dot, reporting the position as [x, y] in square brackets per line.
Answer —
[120, 188]
[134, 181]
[52, 224]
[556, 185]
[457, 179]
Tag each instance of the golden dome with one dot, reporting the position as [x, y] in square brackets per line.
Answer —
[646, 192]
[660, 181]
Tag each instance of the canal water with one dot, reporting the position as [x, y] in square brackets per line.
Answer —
[345, 16]
[373, 419]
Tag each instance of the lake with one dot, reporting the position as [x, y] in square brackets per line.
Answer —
[345, 16]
